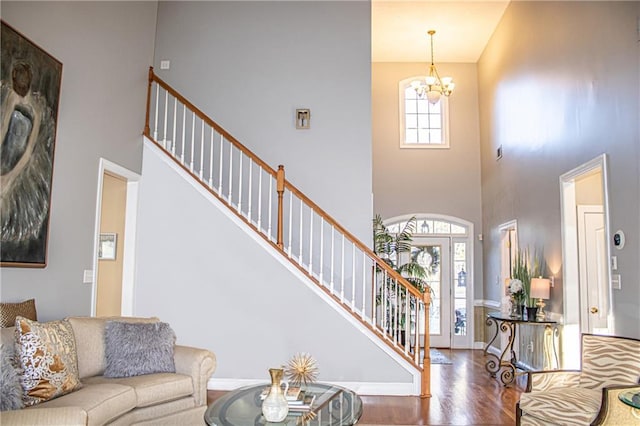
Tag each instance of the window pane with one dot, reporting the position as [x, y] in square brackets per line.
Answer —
[435, 109]
[412, 121]
[435, 136]
[410, 93]
[423, 121]
[441, 227]
[411, 136]
[423, 136]
[435, 121]
[460, 325]
[423, 106]
[456, 229]
[459, 251]
[410, 107]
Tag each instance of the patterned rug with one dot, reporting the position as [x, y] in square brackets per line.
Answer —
[438, 357]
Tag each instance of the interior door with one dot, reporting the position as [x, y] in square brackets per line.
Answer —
[434, 255]
[594, 286]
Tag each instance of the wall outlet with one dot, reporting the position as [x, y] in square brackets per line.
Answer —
[616, 282]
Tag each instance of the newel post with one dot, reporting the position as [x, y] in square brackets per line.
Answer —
[426, 358]
[147, 130]
[280, 189]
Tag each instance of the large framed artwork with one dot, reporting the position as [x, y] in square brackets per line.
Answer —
[30, 92]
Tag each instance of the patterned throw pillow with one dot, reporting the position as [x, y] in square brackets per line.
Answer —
[9, 312]
[48, 357]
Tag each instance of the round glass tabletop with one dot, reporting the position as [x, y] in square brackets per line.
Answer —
[630, 398]
[333, 405]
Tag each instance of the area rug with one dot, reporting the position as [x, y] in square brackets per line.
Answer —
[438, 357]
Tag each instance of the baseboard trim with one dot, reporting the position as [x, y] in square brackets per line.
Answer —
[361, 388]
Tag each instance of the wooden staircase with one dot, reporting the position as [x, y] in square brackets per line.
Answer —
[337, 262]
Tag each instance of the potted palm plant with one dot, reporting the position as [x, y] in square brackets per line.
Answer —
[397, 251]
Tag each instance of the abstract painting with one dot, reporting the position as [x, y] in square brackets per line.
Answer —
[30, 90]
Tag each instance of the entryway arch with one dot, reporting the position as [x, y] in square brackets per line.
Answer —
[449, 242]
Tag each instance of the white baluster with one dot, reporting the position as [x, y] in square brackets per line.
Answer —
[300, 235]
[201, 149]
[193, 138]
[373, 294]
[342, 272]
[260, 198]
[250, 187]
[364, 283]
[385, 302]
[184, 125]
[353, 276]
[220, 165]
[396, 320]
[211, 161]
[310, 241]
[175, 125]
[155, 124]
[332, 257]
[270, 203]
[321, 266]
[407, 322]
[164, 129]
[239, 209]
[290, 220]
[230, 173]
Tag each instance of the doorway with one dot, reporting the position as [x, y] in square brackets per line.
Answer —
[444, 246]
[114, 247]
[586, 254]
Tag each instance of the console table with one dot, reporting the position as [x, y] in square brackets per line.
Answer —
[507, 364]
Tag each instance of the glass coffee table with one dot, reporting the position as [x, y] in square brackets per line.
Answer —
[334, 406]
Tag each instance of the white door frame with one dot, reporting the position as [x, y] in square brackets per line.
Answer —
[571, 277]
[128, 266]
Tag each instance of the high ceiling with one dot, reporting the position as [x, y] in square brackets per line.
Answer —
[463, 28]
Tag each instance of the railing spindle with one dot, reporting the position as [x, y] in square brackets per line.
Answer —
[342, 273]
[270, 207]
[331, 284]
[240, 184]
[220, 165]
[155, 124]
[353, 276]
[290, 221]
[184, 126]
[193, 139]
[364, 283]
[230, 183]
[201, 149]
[164, 127]
[311, 241]
[300, 233]
[260, 200]
[175, 125]
[250, 191]
[211, 160]
[321, 266]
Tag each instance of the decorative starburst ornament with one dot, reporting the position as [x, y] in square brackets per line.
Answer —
[301, 369]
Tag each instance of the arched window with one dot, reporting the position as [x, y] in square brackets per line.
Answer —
[422, 124]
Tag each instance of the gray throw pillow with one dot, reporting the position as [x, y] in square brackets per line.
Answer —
[10, 387]
[133, 349]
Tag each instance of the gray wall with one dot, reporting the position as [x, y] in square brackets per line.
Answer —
[558, 86]
[105, 49]
[442, 181]
[249, 65]
[219, 289]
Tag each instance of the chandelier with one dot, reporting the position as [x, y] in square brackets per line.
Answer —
[433, 86]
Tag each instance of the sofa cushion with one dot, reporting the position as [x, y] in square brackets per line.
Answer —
[89, 333]
[103, 402]
[9, 312]
[136, 349]
[152, 389]
[48, 358]
[558, 406]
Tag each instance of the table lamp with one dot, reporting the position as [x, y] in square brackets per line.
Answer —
[540, 290]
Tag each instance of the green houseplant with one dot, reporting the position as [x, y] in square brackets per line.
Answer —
[393, 248]
[525, 267]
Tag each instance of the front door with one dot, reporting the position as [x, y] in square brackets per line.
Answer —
[434, 255]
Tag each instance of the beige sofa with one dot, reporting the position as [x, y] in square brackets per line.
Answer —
[178, 398]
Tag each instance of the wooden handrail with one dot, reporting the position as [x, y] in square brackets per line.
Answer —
[153, 77]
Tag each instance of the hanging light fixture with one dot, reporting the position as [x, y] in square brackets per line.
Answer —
[433, 86]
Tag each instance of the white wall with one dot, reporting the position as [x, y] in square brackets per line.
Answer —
[249, 65]
[559, 86]
[220, 289]
[106, 49]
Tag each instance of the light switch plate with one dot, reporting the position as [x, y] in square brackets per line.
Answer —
[616, 282]
[87, 277]
[165, 65]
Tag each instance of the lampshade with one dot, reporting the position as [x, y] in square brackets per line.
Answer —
[540, 288]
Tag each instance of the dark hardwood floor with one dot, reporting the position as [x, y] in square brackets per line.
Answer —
[462, 394]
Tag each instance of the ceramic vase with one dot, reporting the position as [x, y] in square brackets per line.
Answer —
[532, 311]
[275, 407]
